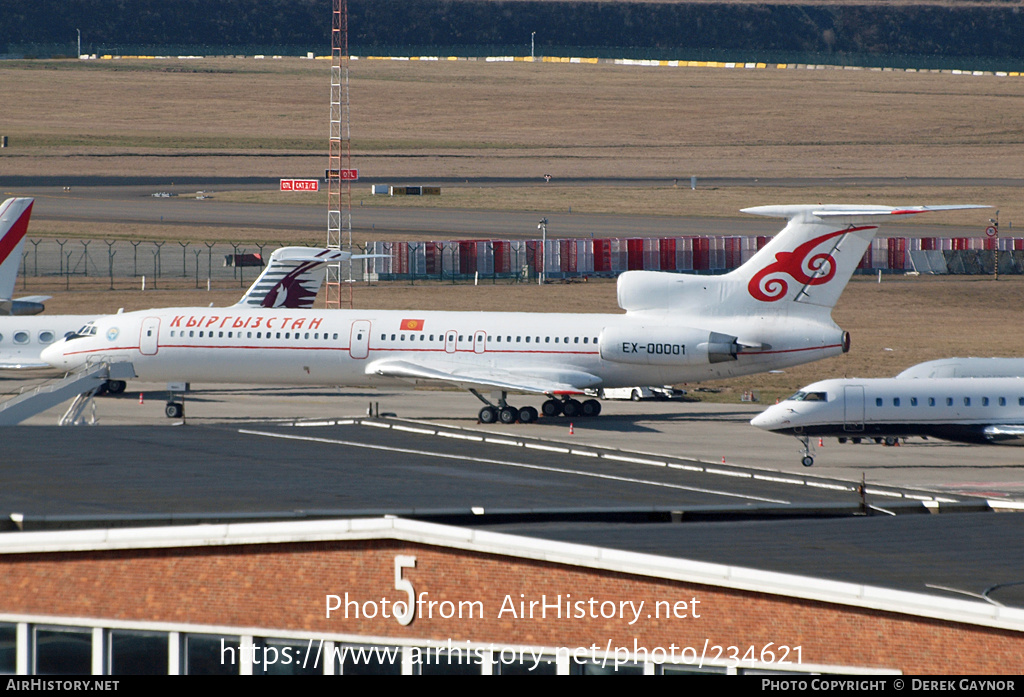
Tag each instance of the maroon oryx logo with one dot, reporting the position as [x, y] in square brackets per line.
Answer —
[798, 265]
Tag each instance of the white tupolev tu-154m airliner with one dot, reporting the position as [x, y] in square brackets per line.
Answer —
[772, 312]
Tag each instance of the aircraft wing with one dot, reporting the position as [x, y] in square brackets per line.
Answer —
[23, 365]
[1005, 431]
[524, 379]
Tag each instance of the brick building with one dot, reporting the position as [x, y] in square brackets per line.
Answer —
[327, 596]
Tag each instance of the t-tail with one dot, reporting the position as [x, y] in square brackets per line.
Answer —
[293, 277]
[802, 270]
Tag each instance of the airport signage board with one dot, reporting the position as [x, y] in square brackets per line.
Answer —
[349, 175]
[300, 185]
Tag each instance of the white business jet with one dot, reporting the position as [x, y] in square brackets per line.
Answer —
[14, 216]
[980, 410]
[291, 279]
[772, 312]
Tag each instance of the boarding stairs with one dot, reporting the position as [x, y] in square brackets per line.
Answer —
[81, 384]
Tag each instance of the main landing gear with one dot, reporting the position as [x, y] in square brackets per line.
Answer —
[507, 414]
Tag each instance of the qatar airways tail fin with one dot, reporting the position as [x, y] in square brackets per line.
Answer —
[14, 216]
[293, 277]
[802, 269]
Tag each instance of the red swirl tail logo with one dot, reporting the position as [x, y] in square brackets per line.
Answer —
[769, 285]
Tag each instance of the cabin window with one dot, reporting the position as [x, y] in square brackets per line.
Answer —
[45, 337]
[576, 340]
[556, 339]
[949, 401]
[191, 333]
[984, 401]
[1002, 401]
[967, 401]
[498, 338]
[460, 337]
[878, 401]
[527, 339]
[895, 401]
[931, 401]
[913, 401]
[519, 339]
[585, 339]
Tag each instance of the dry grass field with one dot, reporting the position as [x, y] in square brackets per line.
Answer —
[415, 120]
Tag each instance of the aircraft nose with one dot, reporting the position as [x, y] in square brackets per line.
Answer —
[769, 419]
[54, 354]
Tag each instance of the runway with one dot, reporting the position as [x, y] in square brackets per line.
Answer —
[129, 201]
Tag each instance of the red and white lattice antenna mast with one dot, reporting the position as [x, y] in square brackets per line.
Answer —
[339, 188]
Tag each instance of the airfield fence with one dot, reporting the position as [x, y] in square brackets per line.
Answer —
[521, 260]
[119, 262]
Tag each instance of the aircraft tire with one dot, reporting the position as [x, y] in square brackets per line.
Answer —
[572, 408]
[116, 386]
[891, 440]
[551, 408]
[807, 461]
[636, 396]
[508, 415]
[591, 407]
[488, 415]
[527, 415]
[174, 410]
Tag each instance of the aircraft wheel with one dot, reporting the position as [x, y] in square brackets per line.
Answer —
[572, 408]
[527, 415]
[508, 415]
[591, 407]
[116, 386]
[174, 410]
[841, 440]
[636, 396]
[807, 461]
[552, 407]
[856, 441]
[488, 415]
[891, 440]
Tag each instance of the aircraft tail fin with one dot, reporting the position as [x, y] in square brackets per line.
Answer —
[804, 268]
[812, 259]
[14, 216]
[293, 276]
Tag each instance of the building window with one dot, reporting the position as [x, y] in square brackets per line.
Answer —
[137, 653]
[62, 651]
[210, 654]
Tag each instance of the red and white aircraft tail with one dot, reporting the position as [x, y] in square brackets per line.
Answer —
[14, 216]
[801, 271]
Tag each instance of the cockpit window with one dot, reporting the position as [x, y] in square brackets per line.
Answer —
[809, 397]
[87, 330]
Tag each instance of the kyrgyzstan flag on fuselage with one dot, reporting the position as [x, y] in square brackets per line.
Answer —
[412, 325]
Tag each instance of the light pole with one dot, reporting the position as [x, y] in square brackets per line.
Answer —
[532, 34]
[543, 227]
[79, 42]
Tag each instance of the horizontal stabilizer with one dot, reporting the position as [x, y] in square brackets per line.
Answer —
[849, 213]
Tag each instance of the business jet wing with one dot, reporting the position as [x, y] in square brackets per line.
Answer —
[525, 379]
